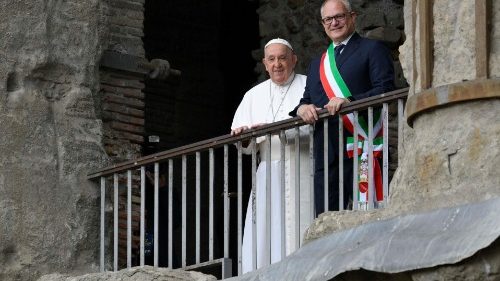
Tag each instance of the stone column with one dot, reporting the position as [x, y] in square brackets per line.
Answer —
[450, 148]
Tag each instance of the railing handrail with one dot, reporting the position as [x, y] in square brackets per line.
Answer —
[227, 139]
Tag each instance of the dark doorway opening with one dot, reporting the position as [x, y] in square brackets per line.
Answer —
[211, 43]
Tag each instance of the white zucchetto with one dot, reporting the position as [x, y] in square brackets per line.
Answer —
[279, 41]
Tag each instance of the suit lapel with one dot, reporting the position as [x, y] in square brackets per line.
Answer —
[349, 50]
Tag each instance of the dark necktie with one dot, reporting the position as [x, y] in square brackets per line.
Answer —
[338, 49]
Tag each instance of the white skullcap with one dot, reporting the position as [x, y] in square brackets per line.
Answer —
[279, 41]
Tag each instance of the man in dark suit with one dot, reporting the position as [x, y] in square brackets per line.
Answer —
[366, 69]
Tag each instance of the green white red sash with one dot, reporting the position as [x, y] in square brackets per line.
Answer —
[335, 86]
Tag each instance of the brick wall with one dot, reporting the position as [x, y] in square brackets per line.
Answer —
[122, 100]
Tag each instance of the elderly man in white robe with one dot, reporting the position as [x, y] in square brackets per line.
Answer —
[268, 102]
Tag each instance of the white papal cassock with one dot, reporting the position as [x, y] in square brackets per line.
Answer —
[266, 103]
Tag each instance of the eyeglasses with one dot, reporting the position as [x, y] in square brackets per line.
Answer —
[337, 18]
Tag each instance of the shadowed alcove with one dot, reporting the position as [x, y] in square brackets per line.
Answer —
[211, 43]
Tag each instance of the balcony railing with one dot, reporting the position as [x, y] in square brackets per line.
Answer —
[202, 228]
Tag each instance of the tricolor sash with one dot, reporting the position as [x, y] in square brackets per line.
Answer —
[334, 86]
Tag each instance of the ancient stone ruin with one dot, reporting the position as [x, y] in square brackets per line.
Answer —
[78, 94]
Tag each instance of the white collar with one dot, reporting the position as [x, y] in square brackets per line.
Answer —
[345, 41]
[288, 81]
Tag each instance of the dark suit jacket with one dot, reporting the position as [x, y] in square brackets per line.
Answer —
[365, 65]
[367, 68]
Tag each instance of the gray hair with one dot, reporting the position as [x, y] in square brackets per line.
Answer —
[346, 3]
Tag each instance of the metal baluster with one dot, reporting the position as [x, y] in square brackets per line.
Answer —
[267, 256]
[282, 192]
[325, 163]
[103, 221]
[355, 184]
[170, 212]
[143, 212]
[129, 218]
[311, 172]
[371, 185]
[240, 205]
[341, 164]
[400, 127]
[211, 206]
[198, 206]
[155, 231]
[115, 223]
[226, 201]
[184, 203]
[254, 208]
[385, 157]
[297, 188]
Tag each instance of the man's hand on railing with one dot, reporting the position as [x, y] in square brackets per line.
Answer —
[238, 130]
[241, 129]
[334, 105]
[308, 113]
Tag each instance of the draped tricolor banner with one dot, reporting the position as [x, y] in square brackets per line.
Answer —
[335, 86]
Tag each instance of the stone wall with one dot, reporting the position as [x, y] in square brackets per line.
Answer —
[123, 106]
[122, 96]
[50, 135]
